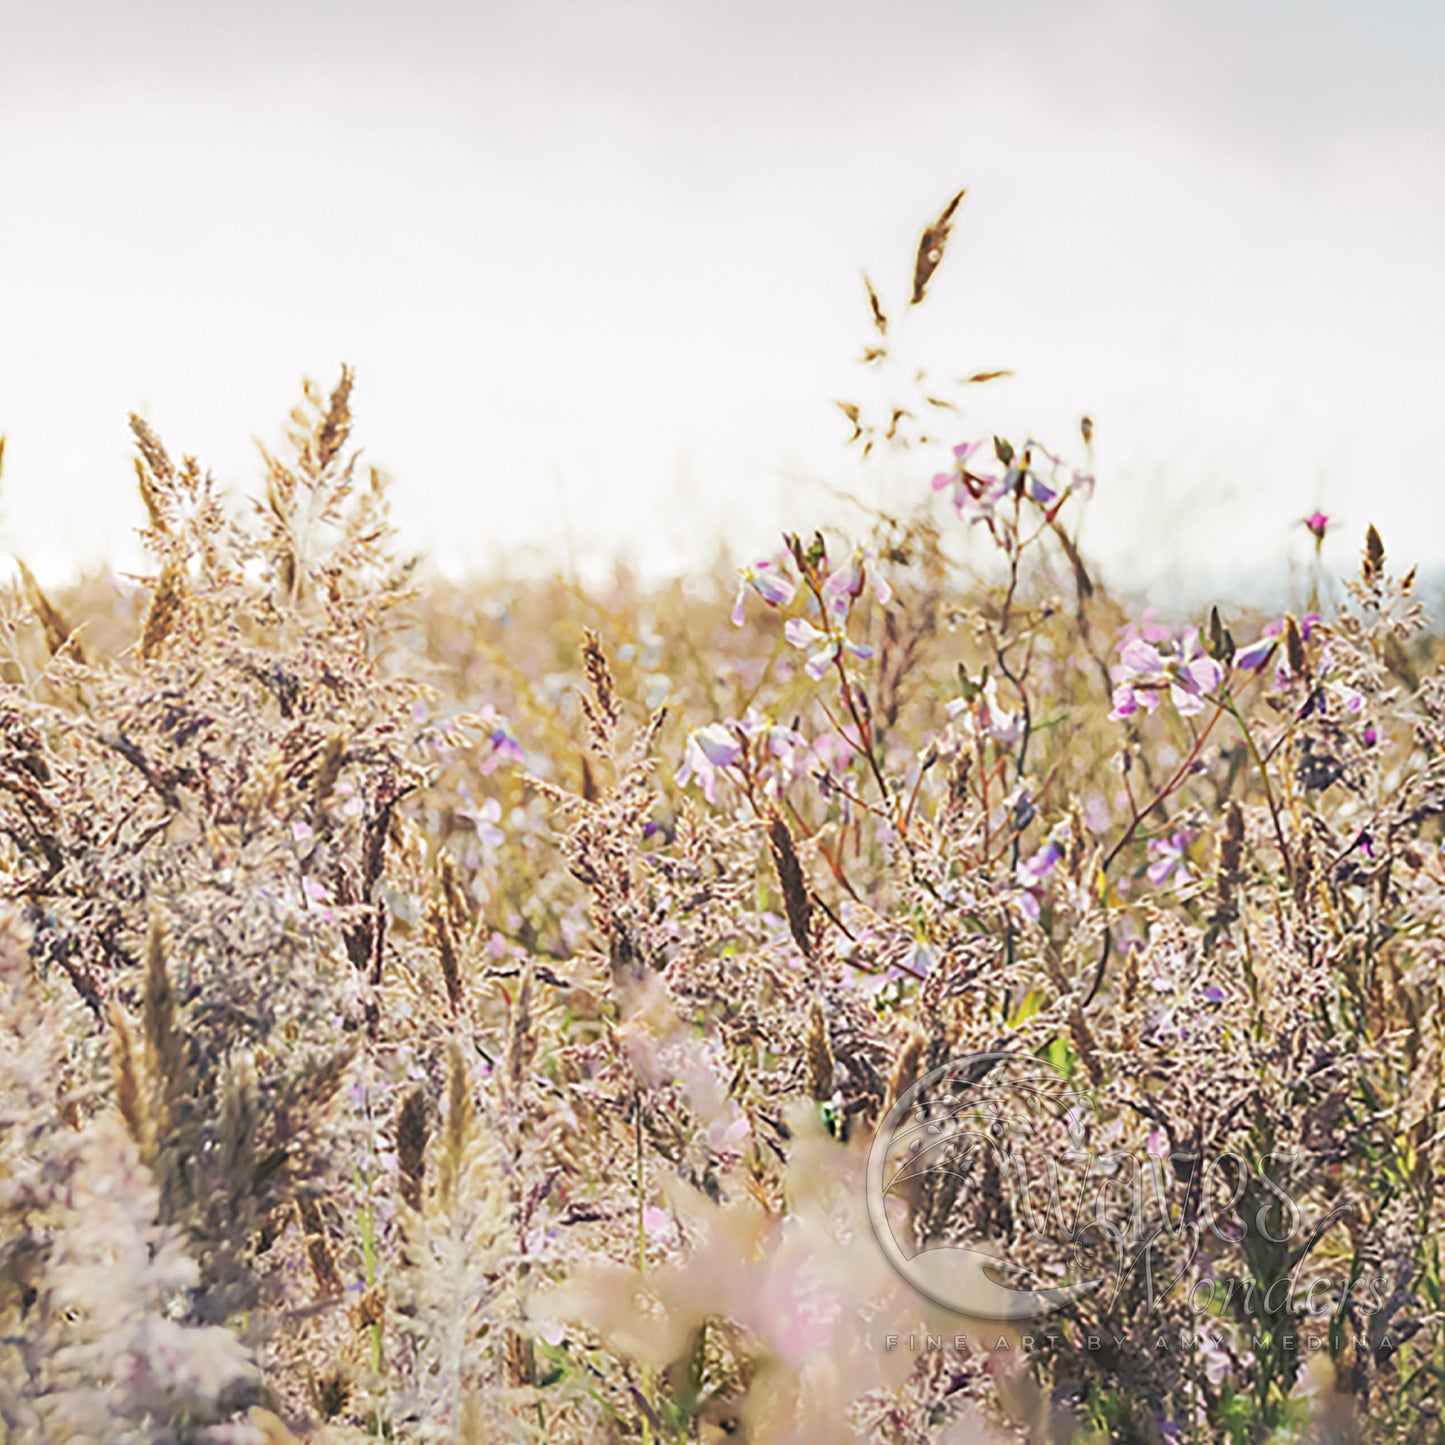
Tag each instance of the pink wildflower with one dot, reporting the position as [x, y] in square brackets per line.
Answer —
[709, 751]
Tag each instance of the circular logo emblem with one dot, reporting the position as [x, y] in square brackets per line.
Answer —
[954, 1161]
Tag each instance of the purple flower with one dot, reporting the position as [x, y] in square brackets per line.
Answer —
[802, 634]
[1317, 522]
[847, 582]
[1171, 856]
[709, 750]
[485, 820]
[985, 717]
[1253, 657]
[1033, 871]
[788, 749]
[1049, 494]
[502, 745]
[971, 492]
[1353, 699]
[1188, 675]
[769, 581]
[1144, 678]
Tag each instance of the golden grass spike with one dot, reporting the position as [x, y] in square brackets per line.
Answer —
[440, 932]
[931, 247]
[818, 1053]
[1372, 566]
[797, 900]
[157, 461]
[521, 1035]
[1230, 870]
[412, 1131]
[602, 709]
[239, 1120]
[164, 609]
[1294, 647]
[128, 1090]
[335, 427]
[880, 319]
[456, 1136]
[57, 630]
[318, 1248]
[164, 1060]
[905, 1070]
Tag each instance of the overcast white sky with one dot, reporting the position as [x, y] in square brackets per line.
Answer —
[597, 263]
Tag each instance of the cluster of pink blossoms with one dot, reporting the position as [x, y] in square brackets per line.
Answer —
[979, 494]
[712, 751]
[1189, 673]
[840, 589]
[1145, 674]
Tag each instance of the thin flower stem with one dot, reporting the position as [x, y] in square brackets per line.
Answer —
[1169, 788]
[642, 1248]
[1138, 816]
[1269, 798]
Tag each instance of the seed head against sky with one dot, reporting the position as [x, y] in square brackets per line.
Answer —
[597, 265]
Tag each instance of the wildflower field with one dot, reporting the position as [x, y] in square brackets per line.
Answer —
[471, 1012]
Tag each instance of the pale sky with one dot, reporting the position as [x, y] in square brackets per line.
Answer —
[597, 264]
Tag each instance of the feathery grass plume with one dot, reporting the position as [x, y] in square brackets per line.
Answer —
[322, 444]
[439, 930]
[1303, 880]
[1372, 562]
[906, 1066]
[880, 319]
[449, 880]
[156, 470]
[330, 1393]
[150, 496]
[1229, 873]
[818, 1054]
[521, 1036]
[161, 615]
[318, 1247]
[412, 1132]
[518, 1365]
[457, 1128]
[602, 708]
[129, 1090]
[931, 247]
[1294, 647]
[328, 770]
[797, 900]
[58, 632]
[236, 1156]
[164, 1048]
[644, 744]
[452, 1291]
[588, 789]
